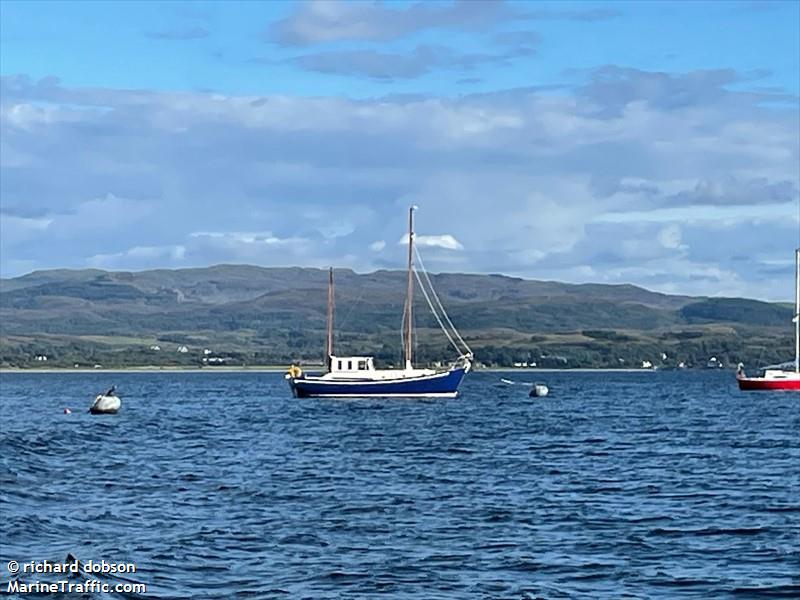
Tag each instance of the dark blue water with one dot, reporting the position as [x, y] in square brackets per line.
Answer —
[219, 485]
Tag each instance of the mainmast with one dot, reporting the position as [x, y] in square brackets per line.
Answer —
[410, 288]
[329, 338]
[797, 310]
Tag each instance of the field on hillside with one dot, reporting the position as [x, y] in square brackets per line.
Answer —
[244, 315]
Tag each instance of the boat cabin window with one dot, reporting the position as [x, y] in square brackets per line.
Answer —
[353, 363]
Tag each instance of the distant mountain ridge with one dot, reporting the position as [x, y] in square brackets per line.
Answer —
[270, 307]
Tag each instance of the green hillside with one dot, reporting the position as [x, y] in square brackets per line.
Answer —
[253, 315]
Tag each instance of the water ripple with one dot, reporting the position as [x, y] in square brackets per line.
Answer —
[221, 485]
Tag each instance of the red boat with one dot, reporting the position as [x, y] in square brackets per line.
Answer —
[785, 376]
[770, 379]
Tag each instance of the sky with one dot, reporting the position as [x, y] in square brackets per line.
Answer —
[652, 143]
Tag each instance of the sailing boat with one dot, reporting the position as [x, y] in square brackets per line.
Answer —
[356, 376]
[785, 376]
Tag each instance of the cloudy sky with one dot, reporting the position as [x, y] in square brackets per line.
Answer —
[648, 143]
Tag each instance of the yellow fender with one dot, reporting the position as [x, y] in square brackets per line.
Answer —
[294, 372]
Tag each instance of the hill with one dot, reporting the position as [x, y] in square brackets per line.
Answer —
[248, 314]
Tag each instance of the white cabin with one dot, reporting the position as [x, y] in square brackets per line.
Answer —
[363, 367]
[351, 364]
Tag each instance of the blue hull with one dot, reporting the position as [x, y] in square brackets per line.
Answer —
[443, 385]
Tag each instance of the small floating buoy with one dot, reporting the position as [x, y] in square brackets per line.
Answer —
[67, 411]
[538, 391]
[106, 404]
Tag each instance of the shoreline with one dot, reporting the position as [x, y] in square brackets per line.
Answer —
[151, 369]
[282, 369]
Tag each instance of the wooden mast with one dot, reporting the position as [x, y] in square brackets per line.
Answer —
[797, 310]
[410, 287]
[329, 337]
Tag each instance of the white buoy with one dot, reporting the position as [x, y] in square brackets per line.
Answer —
[539, 390]
[106, 404]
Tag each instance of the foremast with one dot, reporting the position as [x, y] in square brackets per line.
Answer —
[409, 289]
[329, 331]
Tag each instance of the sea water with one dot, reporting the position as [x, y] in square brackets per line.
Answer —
[221, 485]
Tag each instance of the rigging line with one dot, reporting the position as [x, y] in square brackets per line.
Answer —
[435, 314]
[439, 320]
[441, 306]
[353, 305]
[439, 302]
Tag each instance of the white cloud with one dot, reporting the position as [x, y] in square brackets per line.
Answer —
[247, 237]
[140, 257]
[378, 245]
[319, 21]
[14, 229]
[446, 241]
[710, 215]
[100, 216]
[631, 178]
[670, 237]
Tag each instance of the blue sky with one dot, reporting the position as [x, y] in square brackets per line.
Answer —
[209, 46]
[651, 143]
